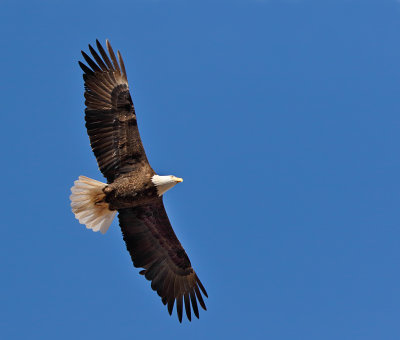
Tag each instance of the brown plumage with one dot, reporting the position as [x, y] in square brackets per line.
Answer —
[133, 189]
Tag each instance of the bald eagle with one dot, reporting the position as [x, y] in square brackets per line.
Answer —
[133, 188]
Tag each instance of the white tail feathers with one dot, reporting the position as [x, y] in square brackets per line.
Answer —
[88, 205]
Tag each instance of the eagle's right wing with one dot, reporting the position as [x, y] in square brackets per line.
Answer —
[110, 116]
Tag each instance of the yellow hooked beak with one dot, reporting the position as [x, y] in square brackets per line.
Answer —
[178, 180]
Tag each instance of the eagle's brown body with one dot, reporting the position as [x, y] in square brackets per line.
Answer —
[114, 137]
[132, 189]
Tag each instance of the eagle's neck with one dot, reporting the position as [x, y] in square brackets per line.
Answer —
[163, 183]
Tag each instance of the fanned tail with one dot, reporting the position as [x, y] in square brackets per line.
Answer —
[88, 205]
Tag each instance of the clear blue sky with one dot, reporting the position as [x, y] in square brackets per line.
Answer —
[283, 119]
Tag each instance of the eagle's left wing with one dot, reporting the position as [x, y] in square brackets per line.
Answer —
[154, 246]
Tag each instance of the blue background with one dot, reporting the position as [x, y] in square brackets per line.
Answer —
[283, 119]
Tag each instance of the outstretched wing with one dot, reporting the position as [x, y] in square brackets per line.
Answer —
[154, 246]
[110, 116]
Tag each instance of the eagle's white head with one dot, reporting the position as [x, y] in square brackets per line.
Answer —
[164, 183]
